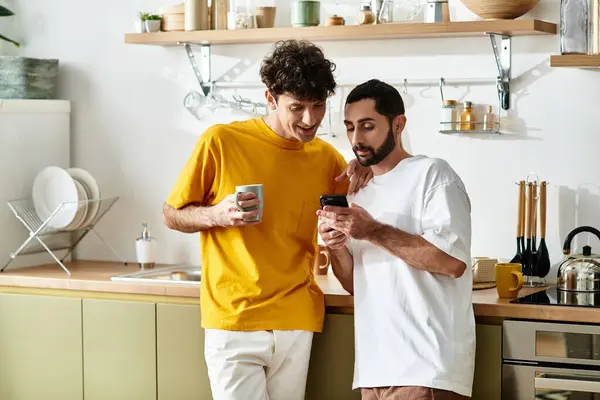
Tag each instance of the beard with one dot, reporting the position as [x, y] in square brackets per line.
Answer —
[376, 155]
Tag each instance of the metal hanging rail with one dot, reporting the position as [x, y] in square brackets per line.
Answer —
[502, 56]
[404, 83]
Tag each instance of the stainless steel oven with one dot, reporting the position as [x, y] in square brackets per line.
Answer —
[550, 361]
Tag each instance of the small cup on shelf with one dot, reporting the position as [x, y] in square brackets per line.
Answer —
[265, 16]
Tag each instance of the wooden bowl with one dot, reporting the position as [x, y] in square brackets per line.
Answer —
[500, 9]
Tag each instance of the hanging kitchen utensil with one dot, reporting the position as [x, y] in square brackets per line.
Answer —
[526, 256]
[524, 202]
[579, 272]
[520, 222]
[529, 269]
[534, 195]
[533, 259]
[543, 257]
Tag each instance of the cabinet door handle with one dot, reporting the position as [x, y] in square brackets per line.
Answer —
[567, 384]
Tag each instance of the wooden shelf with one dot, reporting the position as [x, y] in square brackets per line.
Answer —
[576, 61]
[518, 27]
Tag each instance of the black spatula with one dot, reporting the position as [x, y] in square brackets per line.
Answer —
[543, 258]
[520, 223]
[526, 256]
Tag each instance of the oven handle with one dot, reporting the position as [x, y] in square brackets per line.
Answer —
[567, 384]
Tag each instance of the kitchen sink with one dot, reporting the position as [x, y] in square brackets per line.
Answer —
[179, 274]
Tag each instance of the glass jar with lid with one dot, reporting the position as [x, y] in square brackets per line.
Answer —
[366, 15]
[449, 115]
[240, 14]
[574, 26]
[305, 13]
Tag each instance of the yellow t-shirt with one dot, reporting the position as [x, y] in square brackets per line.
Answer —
[260, 277]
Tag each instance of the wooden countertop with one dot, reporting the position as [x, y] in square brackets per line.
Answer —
[94, 276]
[487, 304]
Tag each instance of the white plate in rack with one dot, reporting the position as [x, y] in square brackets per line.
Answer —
[92, 190]
[51, 187]
[82, 208]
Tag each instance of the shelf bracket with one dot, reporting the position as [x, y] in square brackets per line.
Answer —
[203, 72]
[503, 62]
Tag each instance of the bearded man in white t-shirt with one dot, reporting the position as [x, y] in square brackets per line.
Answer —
[403, 249]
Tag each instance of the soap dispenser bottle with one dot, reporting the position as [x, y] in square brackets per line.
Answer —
[145, 247]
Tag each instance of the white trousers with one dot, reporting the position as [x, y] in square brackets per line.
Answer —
[261, 365]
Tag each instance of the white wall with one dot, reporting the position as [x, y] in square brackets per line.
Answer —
[131, 131]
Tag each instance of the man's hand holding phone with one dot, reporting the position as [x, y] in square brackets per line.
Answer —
[354, 221]
[333, 239]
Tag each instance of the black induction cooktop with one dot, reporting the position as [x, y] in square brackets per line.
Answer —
[554, 297]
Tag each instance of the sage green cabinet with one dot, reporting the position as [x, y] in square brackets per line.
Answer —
[332, 361]
[119, 347]
[182, 371]
[487, 384]
[40, 348]
[72, 348]
[331, 369]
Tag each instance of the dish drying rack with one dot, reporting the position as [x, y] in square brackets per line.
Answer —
[45, 238]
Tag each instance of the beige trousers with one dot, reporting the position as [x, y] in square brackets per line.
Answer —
[409, 393]
[260, 365]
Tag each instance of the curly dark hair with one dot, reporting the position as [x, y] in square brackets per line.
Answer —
[300, 69]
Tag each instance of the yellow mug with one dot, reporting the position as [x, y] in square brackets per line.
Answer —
[509, 279]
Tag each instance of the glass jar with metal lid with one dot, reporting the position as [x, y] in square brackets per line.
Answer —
[449, 115]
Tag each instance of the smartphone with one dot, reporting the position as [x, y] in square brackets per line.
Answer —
[338, 200]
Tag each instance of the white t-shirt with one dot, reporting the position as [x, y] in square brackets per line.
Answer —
[413, 327]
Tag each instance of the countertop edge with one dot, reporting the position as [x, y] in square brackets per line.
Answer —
[102, 286]
[343, 302]
[92, 279]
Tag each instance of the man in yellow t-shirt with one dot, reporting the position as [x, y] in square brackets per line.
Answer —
[259, 300]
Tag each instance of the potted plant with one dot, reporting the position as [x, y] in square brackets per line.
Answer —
[5, 12]
[25, 77]
[140, 24]
[151, 22]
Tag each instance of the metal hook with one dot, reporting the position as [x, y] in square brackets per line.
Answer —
[240, 103]
[442, 83]
[535, 184]
[534, 174]
[405, 86]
